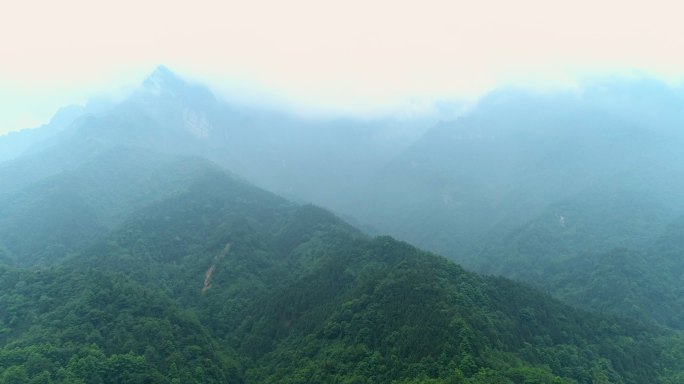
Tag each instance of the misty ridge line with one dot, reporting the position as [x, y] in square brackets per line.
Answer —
[189, 203]
[415, 108]
[267, 146]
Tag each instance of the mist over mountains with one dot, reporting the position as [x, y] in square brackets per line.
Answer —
[204, 273]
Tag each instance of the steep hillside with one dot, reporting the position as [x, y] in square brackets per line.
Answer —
[607, 216]
[61, 214]
[16, 144]
[300, 296]
[516, 155]
[641, 281]
[123, 258]
[84, 326]
[570, 192]
[321, 160]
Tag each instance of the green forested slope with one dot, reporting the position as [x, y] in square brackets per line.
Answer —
[615, 253]
[87, 326]
[59, 215]
[227, 283]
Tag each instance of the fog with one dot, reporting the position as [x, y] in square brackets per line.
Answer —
[447, 181]
[174, 213]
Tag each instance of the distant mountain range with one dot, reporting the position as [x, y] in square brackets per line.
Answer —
[137, 243]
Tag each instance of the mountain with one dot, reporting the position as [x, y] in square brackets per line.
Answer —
[131, 252]
[550, 189]
[59, 215]
[516, 155]
[16, 144]
[224, 282]
[605, 217]
[640, 282]
[318, 160]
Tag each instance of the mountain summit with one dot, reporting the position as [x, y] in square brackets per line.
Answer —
[162, 79]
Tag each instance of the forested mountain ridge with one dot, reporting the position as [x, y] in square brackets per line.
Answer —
[59, 215]
[642, 282]
[295, 295]
[126, 256]
[271, 148]
[545, 188]
[516, 154]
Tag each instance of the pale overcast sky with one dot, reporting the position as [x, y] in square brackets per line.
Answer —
[346, 55]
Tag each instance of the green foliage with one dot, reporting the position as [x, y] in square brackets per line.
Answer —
[64, 213]
[628, 264]
[226, 283]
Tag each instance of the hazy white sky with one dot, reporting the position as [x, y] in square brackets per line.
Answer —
[338, 55]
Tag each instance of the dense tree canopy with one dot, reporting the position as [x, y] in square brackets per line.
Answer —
[223, 282]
